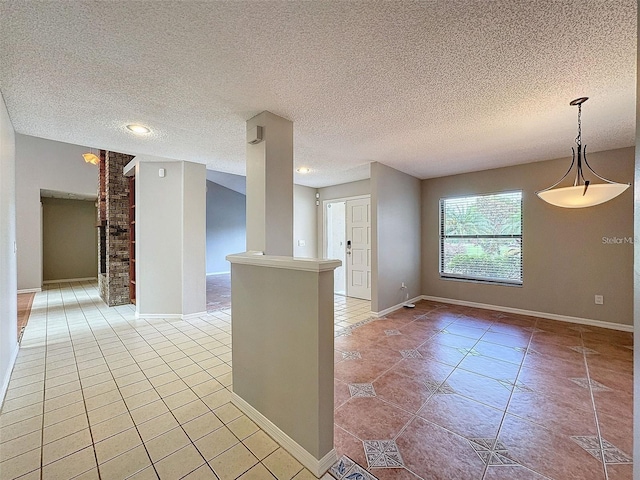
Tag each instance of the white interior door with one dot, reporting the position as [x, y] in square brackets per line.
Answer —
[336, 243]
[359, 248]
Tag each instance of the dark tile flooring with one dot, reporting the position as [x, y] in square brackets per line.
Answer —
[448, 392]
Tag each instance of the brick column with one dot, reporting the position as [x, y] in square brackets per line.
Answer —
[113, 280]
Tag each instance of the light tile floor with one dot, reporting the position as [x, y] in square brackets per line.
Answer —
[96, 393]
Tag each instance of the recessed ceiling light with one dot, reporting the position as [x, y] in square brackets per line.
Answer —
[303, 170]
[140, 129]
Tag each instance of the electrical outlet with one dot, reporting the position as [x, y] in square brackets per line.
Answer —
[599, 300]
[402, 286]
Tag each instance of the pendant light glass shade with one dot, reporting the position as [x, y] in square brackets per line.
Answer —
[583, 193]
[575, 197]
[91, 158]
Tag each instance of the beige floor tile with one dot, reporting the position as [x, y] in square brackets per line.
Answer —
[124, 371]
[216, 442]
[258, 472]
[101, 414]
[233, 462]
[260, 444]
[62, 380]
[135, 388]
[180, 463]
[282, 464]
[202, 473]
[157, 426]
[16, 430]
[304, 474]
[125, 465]
[148, 473]
[20, 464]
[100, 389]
[65, 446]
[111, 427]
[141, 399]
[190, 411]
[207, 388]
[167, 443]
[90, 475]
[164, 379]
[242, 427]
[117, 445]
[171, 388]
[93, 371]
[27, 380]
[149, 411]
[56, 416]
[179, 399]
[20, 402]
[58, 390]
[67, 427]
[226, 380]
[154, 371]
[63, 400]
[20, 445]
[220, 370]
[130, 379]
[227, 412]
[13, 393]
[70, 466]
[197, 378]
[89, 381]
[20, 414]
[101, 400]
[201, 426]
[188, 369]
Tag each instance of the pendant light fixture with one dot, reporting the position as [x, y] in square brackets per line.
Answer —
[91, 157]
[583, 193]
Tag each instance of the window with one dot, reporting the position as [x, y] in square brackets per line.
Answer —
[481, 238]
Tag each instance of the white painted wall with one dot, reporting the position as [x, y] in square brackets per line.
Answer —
[395, 227]
[305, 221]
[50, 165]
[8, 309]
[170, 238]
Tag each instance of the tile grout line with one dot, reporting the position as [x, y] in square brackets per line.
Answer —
[595, 412]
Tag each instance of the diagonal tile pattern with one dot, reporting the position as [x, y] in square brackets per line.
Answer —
[492, 395]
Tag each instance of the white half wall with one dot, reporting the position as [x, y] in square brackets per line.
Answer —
[8, 290]
[395, 227]
[305, 214]
[47, 165]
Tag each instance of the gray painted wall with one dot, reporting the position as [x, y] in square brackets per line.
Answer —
[49, 165]
[69, 239]
[636, 276]
[565, 261]
[8, 309]
[305, 219]
[226, 226]
[395, 245]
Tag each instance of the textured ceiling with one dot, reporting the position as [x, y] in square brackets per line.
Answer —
[428, 87]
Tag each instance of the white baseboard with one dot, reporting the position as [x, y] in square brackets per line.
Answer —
[30, 290]
[315, 466]
[217, 273]
[551, 316]
[386, 311]
[179, 316]
[7, 374]
[193, 315]
[67, 280]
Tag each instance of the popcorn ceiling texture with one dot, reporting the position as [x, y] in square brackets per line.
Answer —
[428, 87]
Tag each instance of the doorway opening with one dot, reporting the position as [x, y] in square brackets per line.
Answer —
[348, 239]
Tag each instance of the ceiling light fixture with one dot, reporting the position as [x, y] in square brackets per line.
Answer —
[139, 129]
[303, 170]
[583, 193]
[91, 157]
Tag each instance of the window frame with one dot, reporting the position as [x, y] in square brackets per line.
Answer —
[442, 238]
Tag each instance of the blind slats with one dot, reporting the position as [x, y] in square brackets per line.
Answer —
[481, 237]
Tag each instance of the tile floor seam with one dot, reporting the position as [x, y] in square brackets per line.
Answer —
[595, 411]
